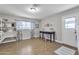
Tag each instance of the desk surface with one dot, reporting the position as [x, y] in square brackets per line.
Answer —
[51, 33]
[47, 32]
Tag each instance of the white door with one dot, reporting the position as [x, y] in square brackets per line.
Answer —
[69, 31]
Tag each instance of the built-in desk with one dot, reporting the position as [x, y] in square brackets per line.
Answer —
[50, 33]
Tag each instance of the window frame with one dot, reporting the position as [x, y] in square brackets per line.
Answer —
[65, 23]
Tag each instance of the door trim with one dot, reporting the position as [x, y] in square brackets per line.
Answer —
[65, 17]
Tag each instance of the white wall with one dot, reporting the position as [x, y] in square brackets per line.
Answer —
[56, 21]
[56, 24]
[36, 30]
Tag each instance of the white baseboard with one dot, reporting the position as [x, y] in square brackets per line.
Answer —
[64, 43]
[58, 41]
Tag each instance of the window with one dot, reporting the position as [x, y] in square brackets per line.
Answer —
[70, 23]
[23, 25]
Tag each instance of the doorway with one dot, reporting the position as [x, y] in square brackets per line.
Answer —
[69, 31]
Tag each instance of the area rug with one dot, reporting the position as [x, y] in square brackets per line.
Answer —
[65, 51]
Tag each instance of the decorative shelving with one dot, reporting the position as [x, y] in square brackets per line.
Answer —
[8, 31]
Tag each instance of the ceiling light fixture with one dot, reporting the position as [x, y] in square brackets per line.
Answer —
[34, 8]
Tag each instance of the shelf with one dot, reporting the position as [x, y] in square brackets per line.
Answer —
[9, 40]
